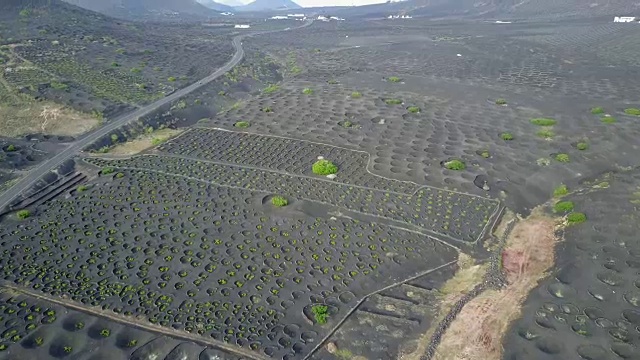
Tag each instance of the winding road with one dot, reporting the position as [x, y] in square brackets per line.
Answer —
[35, 174]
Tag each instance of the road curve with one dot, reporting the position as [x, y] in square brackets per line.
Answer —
[35, 174]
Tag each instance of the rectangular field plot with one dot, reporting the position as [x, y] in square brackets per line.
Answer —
[282, 154]
[440, 212]
[213, 261]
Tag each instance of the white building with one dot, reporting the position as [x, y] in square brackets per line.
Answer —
[279, 17]
[623, 19]
[296, 15]
[242, 26]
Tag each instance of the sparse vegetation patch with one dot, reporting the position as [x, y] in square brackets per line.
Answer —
[242, 124]
[307, 91]
[562, 157]
[563, 207]
[597, 110]
[543, 122]
[576, 218]
[632, 111]
[506, 136]
[271, 89]
[393, 101]
[413, 109]
[23, 214]
[455, 165]
[501, 101]
[560, 191]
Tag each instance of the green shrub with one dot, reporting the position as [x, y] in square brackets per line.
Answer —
[119, 175]
[105, 333]
[576, 218]
[413, 109]
[79, 325]
[242, 124]
[114, 137]
[271, 89]
[135, 70]
[632, 111]
[543, 122]
[347, 124]
[107, 170]
[597, 110]
[608, 119]
[356, 95]
[59, 86]
[455, 165]
[132, 343]
[560, 191]
[279, 201]
[394, 79]
[25, 12]
[501, 102]
[324, 167]
[320, 313]
[67, 349]
[485, 154]
[393, 102]
[11, 148]
[562, 157]
[506, 136]
[546, 133]
[38, 341]
[582, 146]
[171, 78]
[307, 91]
[268, 109]
[82, 188]
[115, 64]
[563, 207]
[332, 82]
[23, 214]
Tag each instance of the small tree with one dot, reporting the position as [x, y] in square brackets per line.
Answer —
[279, 201]
[324, 167]
[320, 313]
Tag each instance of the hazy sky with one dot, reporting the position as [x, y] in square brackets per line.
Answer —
[308, 3]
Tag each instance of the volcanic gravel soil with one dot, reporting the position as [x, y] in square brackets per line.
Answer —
[456, 216]
[275, 153]
[590, 305]
[36, 329]
[215, 261]
[394, 317]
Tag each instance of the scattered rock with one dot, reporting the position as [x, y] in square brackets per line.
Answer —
[332, 348]
[331, 176]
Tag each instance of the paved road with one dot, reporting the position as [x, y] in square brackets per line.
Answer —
[35, 174]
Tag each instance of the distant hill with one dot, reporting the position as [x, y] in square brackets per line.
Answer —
[147, 8]
[217, 6]
[495, 9]
[262, 5]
